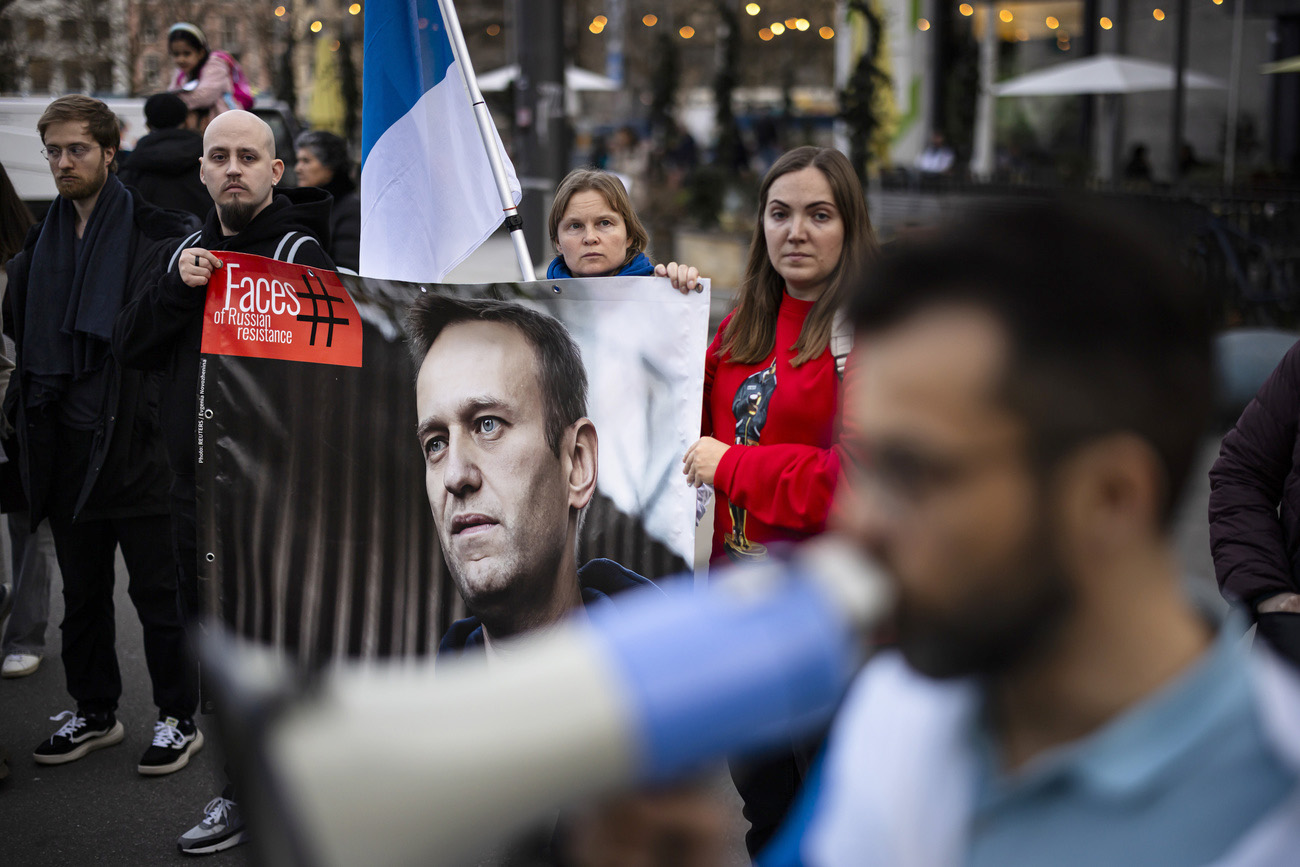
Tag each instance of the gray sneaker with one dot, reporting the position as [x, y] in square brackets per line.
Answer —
[222, 827]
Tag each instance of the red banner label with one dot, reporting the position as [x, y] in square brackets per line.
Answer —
[261, 308]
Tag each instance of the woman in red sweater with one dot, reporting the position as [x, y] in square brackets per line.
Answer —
[771, 388]
[771, 398]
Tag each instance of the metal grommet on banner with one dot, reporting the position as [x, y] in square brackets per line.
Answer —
[207, 413]
[211, 556]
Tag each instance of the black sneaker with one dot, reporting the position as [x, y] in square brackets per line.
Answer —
[79, 735]
[174, 741]
[222, 827]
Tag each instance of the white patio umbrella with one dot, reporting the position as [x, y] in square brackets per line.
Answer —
[1291, 64]
[574, 79]
[1110, 75]
[1102, 73]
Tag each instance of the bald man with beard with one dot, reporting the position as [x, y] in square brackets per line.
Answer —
[162, 329]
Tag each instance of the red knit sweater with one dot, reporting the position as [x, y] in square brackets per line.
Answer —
[785, 483]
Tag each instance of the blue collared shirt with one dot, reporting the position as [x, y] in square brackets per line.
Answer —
[1176, 780]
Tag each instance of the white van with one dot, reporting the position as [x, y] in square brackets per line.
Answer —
[20, 143]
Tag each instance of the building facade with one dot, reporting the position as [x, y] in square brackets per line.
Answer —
[63, 46]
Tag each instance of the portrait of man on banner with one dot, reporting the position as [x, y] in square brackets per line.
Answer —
[511, 461]
[315, 515]
[640, 386]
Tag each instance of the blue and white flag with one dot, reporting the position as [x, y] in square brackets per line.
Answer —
[428, 197]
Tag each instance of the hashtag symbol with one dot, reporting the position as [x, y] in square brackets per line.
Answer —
[315, 318]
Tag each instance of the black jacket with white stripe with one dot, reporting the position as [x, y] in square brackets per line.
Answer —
[161, 327]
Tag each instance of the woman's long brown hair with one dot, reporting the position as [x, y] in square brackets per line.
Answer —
[15, 219]
[751, 332]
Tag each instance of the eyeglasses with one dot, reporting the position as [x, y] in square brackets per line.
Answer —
[903, 478]
[77, 152]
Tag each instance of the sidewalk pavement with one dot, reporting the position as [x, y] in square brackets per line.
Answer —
[98, 810]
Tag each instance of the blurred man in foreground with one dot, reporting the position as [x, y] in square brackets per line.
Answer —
[1028, 401]
[1024, 406]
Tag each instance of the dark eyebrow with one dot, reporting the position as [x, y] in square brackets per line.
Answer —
[809, 206]
[602, 216]
[475, 405]
[215, 149]
[425, 427]
[468, 408]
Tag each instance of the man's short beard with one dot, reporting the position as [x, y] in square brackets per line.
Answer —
[84, 187]
[1005, 632]
[236, 215]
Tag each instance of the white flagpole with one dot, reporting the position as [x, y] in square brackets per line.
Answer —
[486, 128]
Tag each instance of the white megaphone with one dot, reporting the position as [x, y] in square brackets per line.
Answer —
[401, 763]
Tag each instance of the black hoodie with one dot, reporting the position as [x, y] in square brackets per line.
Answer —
[164, 167]
[161, 328]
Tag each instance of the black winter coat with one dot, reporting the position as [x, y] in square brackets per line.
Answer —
[161, 328]
[164, 167]
[345, 223]
[1255, 492]
[127, 475]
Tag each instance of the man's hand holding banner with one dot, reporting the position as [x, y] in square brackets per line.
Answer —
[261, 308]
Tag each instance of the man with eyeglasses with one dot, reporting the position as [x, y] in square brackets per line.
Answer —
[91, 452]
[1022, 409]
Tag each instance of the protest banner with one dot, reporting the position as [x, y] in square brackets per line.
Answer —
[314, 527]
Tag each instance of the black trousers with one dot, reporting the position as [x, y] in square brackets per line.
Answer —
[85, 551]
[769, 785]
